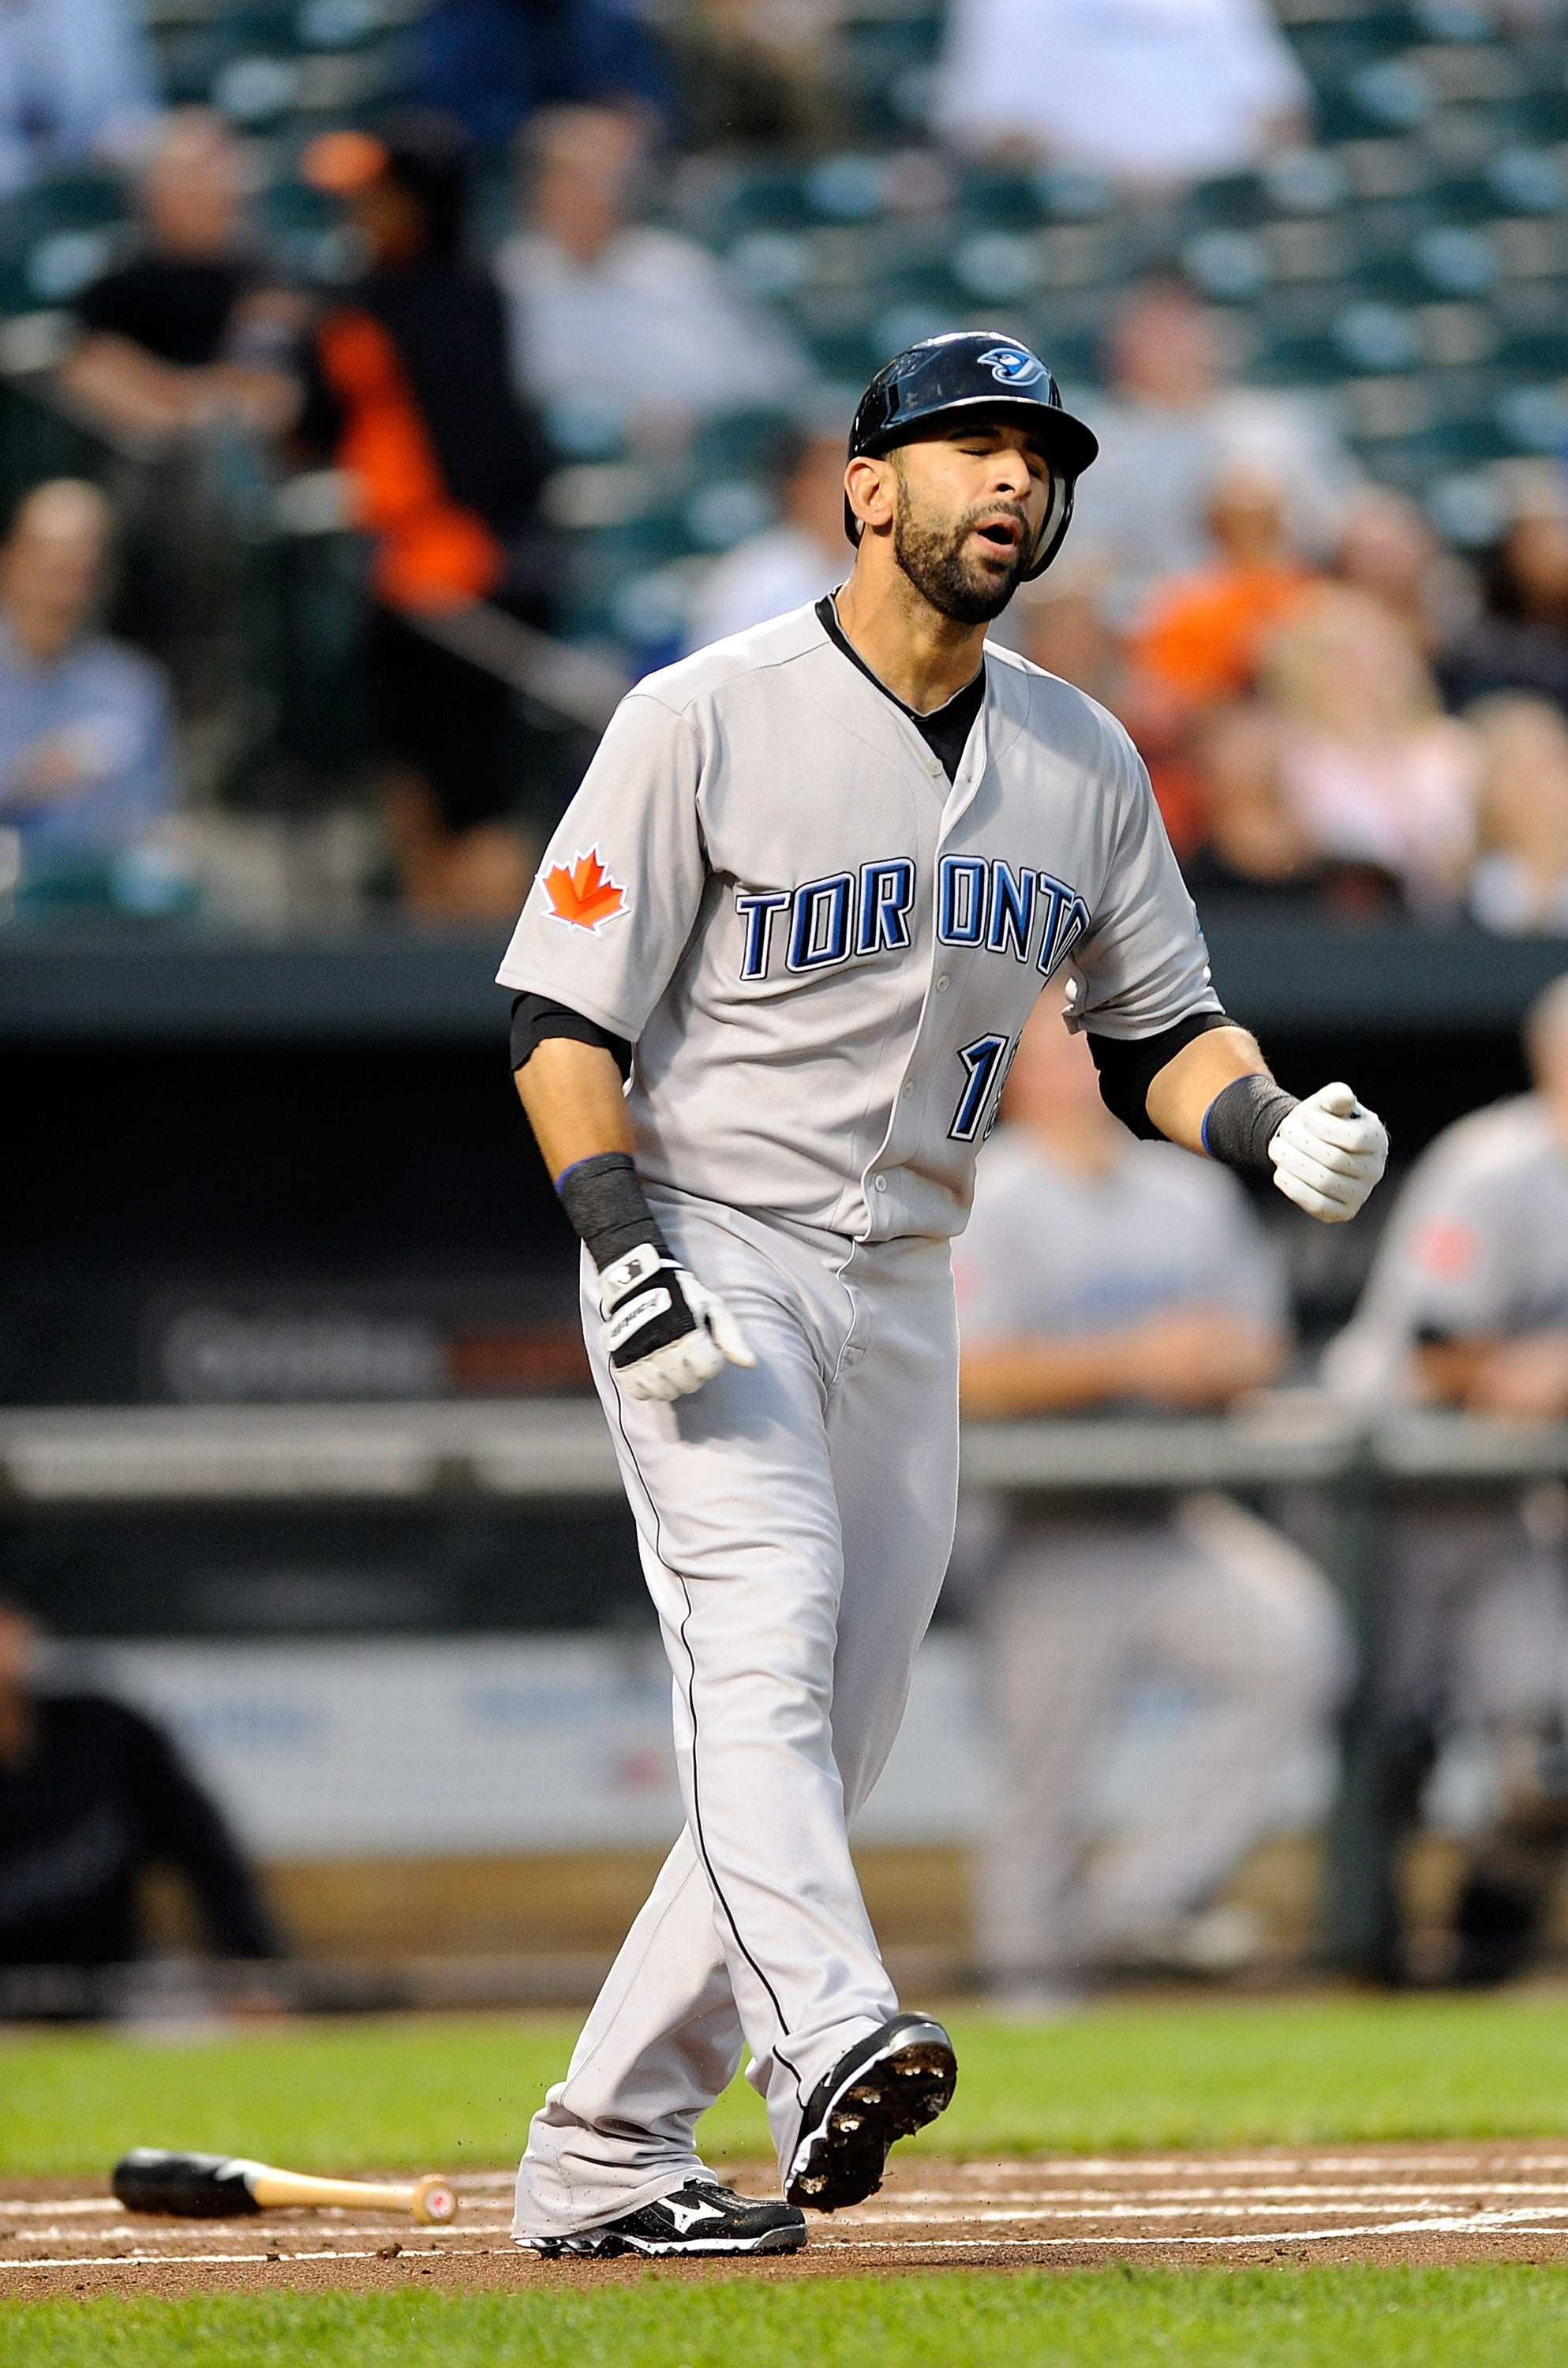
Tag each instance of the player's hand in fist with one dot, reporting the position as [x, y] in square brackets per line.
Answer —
[1328, 1154]
[665, 1333]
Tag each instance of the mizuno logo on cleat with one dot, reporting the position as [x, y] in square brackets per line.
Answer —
[686, 2215]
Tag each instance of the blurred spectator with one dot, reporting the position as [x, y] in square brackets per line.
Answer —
[75, 85]
[1101, 1273]
[758, 71]
[493, 63]
[1149, 91]
[86, 756]
[1386, 549]
[1372, 771]
[416, 404]
[1203, 635]
[608, 309]
[1467, 1305]
[1061, 626]
[1520, 882]
[788, 565]
[1168, 428]
[91, 1796]
[1251, 845]
[195, 326]
[1059, 622]
[1520, 641]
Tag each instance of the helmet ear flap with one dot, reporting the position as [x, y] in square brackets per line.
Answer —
[1053, 526]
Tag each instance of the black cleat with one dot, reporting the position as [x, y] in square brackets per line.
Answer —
[886, 2088]
[700, 2219]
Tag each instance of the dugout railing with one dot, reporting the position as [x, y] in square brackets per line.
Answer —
[119, 1463]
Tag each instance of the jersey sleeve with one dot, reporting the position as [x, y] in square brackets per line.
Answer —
[620, 884]
[1141, 964]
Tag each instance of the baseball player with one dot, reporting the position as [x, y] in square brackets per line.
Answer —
[804, 901]
[1467, 1305]
[1098, 1272]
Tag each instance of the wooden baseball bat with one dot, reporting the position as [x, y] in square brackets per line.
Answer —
[226, 2187]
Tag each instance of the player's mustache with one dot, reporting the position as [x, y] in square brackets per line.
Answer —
[986, 513]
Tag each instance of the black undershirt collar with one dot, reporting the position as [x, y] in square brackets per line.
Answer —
[946, 729]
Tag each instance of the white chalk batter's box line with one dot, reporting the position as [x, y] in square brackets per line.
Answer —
[1241, 2208]
[385, 2229]
[1480, 2224]
[179, 2260]
[1228, 2165]
[1312, 2167]
[1024, 2205]
[1483, 2224]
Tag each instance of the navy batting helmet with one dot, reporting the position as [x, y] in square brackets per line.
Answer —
[976, 370]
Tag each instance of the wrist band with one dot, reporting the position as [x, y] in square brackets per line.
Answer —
[1241, 1122]
[605, 1200]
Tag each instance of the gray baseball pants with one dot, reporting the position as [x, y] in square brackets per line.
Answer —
[1074, 1618]
[795, 1523]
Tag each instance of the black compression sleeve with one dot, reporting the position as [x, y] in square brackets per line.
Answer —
[1241, 1122]
[535, 1017]
[605, 1199]
[1129, 1069]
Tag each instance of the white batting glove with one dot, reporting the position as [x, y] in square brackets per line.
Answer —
[665, 1333]
[1328, 1154]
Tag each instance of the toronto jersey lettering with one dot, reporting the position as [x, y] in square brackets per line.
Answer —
[978, 904]
[823, 951]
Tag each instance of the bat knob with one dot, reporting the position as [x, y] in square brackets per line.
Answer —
[433, 2201]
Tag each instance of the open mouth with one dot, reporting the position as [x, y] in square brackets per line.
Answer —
[1004, 534]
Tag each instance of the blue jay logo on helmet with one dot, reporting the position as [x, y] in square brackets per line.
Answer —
[1012, 365]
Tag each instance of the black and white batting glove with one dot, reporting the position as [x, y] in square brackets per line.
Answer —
[665, 1333]
[1328, 1153]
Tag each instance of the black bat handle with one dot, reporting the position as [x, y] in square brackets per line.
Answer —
[187, 2186]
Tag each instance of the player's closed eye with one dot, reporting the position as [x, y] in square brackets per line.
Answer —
[981, 447]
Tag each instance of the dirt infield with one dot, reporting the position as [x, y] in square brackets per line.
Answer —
[1436, 2204]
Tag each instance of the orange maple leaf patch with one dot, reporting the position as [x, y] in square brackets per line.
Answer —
[583, 895]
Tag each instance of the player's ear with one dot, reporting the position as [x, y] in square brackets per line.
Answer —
[868, 488]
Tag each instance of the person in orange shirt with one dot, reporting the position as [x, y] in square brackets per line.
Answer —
[410, 396]
[1203, 636]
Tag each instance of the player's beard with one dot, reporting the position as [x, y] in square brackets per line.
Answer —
[932, 556]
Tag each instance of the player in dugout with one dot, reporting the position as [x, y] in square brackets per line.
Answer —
[809, 892]
[91, 1794]
[1467, 1306]
[1099, 1273]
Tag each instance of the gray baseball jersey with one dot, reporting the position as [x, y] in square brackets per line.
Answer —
[1051, 1251]
[1477, 1243]
[822, 953]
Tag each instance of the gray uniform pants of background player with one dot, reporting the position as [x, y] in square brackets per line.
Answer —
[795, 1523]
[1474, 1639]
[1074, 1618]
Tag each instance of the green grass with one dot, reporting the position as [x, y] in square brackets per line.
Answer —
[1515, 2317]
[450, 2091]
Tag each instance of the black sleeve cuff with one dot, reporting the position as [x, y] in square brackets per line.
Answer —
[535, 1017]
[1128, 1069]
